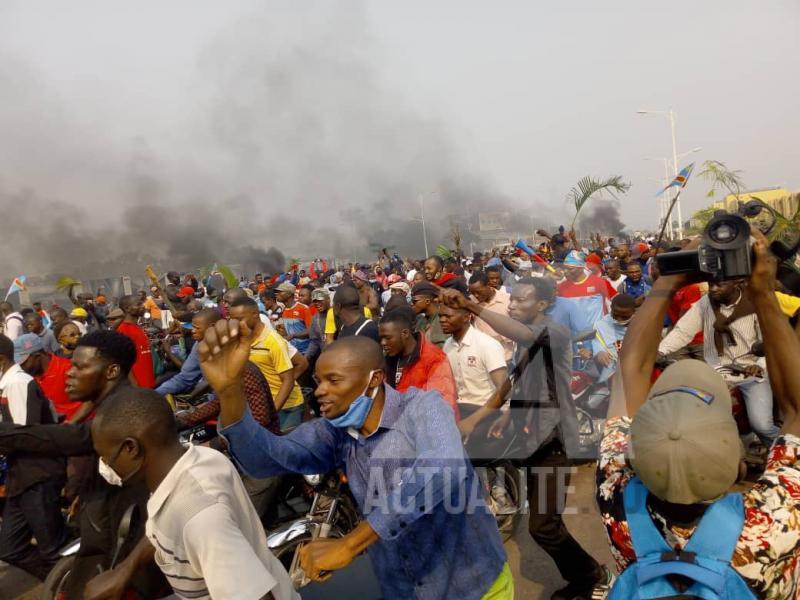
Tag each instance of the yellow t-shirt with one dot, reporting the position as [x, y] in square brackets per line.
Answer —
[330, 322]
[789, 304]
[270, 354]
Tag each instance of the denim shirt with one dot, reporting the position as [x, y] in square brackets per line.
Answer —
[413, 484]
[188, 376]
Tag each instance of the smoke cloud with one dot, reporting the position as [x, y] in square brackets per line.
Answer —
[602, 216]
[286, 143]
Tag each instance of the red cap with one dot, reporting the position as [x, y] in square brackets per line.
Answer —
[186, 292]
[593, 259]
[642, 247]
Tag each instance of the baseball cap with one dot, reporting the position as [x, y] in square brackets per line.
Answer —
[401, 285]
[25, 345]
[319, 294]
[423, 288]
[575, 259]
[286, 287]
[115, 313]
[639, 249]
[684, 441]
[593, 259]
[186, 292]
[79, 312]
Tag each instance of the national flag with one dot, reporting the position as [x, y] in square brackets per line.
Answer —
[680, 179]
[18, 285]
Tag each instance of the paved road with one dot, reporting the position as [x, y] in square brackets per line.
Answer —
[535, 575]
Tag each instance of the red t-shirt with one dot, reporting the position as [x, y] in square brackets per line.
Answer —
[591, 286]
[54, 383]
[682, 301]
[143, 367]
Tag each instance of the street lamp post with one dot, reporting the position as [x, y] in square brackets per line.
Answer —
[422, 219]
[671, 114]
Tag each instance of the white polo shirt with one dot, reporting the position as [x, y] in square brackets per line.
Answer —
[498, 304]
[472, 360]
[208, 538]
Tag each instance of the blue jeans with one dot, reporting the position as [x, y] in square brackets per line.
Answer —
[757, 396]
[290, 417]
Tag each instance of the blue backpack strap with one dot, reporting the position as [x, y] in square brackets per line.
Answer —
[646, 539]
[718, 532]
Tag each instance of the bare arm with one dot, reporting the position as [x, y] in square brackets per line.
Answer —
[502, 324]
[781, 345]
[299, 365]
[287, 385]
[640, 346]
[111, 584]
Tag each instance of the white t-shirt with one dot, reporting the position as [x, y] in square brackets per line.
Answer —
[13, 326]
[617, 283]
[208, 538]
[472, 360]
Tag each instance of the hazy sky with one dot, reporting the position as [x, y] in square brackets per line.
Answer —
[508, 99]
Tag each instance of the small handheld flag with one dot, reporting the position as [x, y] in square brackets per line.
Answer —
[18, 285]
[680, 179]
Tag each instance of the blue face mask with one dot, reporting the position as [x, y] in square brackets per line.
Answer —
[357, 413]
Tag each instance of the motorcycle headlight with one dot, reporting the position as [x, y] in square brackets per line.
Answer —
[313, 480]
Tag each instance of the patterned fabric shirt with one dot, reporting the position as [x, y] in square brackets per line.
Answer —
[767, 555]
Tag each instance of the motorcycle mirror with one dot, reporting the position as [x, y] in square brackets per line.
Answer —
[758, 349]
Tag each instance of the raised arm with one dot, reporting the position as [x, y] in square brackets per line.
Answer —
[781, 345]
[502, 324]
[641, 343]
[310, 448]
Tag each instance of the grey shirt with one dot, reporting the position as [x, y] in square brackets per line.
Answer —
[49, 341]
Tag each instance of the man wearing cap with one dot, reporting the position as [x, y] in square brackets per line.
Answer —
[437, 274]
[582, 298]
[115, 317]
[34, 324]
[425, 304]
[321, 301]
[296, 317]
[678, 441]
[367, 296]
[33, 486]
[398, 288]
[80, 317]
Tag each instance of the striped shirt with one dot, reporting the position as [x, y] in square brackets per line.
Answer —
[700, 317]
[208, 538]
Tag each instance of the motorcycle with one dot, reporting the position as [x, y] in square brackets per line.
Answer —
[333, 514]
[589, 397]
[53, 586]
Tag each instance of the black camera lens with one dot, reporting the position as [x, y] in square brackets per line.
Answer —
[722, 233]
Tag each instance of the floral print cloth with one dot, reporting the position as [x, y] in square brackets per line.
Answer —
[768, 550]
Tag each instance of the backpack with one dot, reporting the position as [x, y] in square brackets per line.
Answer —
[705, 560]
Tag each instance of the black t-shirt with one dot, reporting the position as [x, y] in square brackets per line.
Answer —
[364, 327]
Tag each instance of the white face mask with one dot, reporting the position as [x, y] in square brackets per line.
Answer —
[109, 474]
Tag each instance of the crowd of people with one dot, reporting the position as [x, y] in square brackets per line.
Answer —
[404, 374]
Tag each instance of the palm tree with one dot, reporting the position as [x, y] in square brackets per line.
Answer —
[721, 176]
[587, 187]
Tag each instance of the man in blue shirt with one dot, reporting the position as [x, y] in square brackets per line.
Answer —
[636, 284]
[190, 373]
[425, 524]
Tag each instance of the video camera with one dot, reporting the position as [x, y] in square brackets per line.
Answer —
[726, 252]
